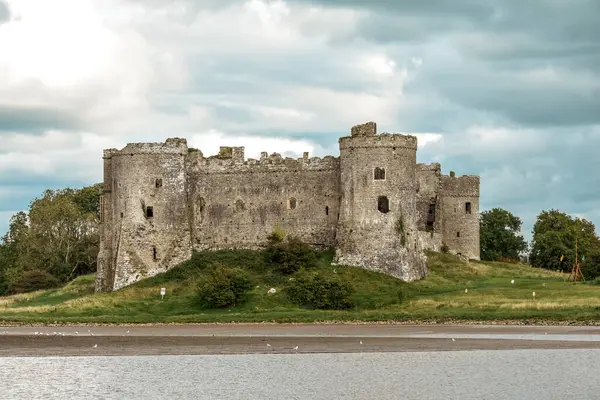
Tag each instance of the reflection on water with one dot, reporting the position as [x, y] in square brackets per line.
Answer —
[505, 374]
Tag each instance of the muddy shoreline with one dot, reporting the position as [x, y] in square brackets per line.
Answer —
[84, 340]
[27, 345]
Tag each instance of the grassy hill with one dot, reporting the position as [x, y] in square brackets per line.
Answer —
[453, 291]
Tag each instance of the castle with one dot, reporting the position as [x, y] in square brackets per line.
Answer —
[374, 204]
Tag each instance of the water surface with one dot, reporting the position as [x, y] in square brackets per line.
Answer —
[465, 375]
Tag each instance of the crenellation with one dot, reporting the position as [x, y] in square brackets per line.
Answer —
[399, 141]
[374, 204]
[275, 163]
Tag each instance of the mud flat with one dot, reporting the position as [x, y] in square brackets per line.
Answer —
[286, 338]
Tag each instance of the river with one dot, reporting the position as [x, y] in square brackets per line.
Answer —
[479, 374]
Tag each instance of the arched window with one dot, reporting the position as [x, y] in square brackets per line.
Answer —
[379, 174]
[383, 204]
[291, 203]
[326, 210]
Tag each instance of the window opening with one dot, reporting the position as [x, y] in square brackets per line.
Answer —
[383, 204]
[154, 253]
[291, 203]
[158, 183]
[149, 212]
[326, 210]
[379, 173]
[431, 216]
[468, 207]
[457, 234]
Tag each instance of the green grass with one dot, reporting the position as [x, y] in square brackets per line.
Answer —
[439, 297]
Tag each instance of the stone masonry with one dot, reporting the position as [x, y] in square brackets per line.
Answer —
[374, 204]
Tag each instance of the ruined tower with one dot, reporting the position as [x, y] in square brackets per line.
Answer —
[377, 228]
[144, 215]
[460, 207]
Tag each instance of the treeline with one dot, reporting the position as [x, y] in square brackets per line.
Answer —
[55, 241]
[555, 237]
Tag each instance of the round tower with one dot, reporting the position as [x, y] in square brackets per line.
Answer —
[147, 220]
[377, 227]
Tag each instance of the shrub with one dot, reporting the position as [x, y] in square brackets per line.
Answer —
[590, 267]
[33, 280]
[224, 287]
[317, 290]
[289, 256]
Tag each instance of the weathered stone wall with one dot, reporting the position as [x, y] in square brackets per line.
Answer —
[429, 207]
[144, 244]
[238, 203]
[461, 224]
[105, 265]
[367, 237]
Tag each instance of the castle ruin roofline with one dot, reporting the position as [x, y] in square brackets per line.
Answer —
[381, 140]
[170, 146]
[236, 155]
[366, 136]
[430, 167]
[460, 186]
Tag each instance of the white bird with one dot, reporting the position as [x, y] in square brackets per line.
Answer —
[127, 332]
[512, 281]
[466, 290]
[453, 340]
[361, 342]
[95, 345]
[296, 348]
[268, 345]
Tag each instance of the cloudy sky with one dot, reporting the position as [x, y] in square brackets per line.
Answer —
[509, 90]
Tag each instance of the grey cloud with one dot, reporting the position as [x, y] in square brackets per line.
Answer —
[476, 9]
[528, 104]
[35, 119]
[4, 12]
[557, 173]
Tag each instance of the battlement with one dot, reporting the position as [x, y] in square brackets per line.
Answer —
[394, 140]
[170, 146]
[230, 160]
[460, 186]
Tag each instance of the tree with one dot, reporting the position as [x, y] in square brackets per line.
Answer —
[499, 235]
[554, 236]
[58, 236]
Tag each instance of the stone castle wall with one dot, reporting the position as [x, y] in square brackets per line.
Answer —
[238, 203]
[161, 201]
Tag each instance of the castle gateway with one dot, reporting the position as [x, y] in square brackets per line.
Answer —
[374, 204]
